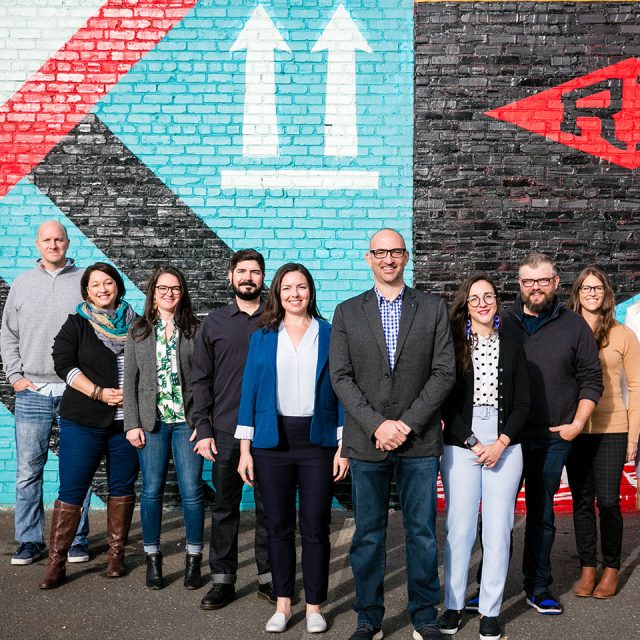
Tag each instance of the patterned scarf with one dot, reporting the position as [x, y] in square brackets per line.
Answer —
[111, 325]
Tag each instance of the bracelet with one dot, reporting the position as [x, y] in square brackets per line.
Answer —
[95, 394]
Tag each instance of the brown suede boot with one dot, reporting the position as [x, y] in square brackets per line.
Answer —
[608, 585]
[64, 522]
[119, 514]
[584, 587]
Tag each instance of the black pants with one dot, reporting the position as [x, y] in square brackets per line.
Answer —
[297, 466]
[594, 469]
[225, 515]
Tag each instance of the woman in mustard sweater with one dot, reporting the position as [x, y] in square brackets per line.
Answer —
[608, 440]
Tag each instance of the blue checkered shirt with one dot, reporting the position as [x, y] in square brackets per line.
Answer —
[390, 312]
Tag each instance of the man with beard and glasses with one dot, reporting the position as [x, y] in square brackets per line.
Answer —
[218, 364]
[566, 383]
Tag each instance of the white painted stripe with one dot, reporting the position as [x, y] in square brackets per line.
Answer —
[31, 31]
[298, 179]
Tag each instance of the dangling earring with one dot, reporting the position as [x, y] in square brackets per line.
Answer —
[468, 331]
[496, 322]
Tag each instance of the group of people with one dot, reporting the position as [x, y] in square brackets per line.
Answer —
[398, 388]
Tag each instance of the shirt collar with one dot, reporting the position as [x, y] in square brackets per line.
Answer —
[235, 310]
[381, 298]
[53, 274]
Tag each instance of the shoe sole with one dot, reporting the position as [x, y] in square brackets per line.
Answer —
[23, 562]
[77, 559]
[448, 632]
[473, 608]
[214, 607]
[491, 637]
[544, 612]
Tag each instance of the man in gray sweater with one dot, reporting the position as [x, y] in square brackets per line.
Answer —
[38, 303]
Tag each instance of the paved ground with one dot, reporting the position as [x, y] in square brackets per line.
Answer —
[92, 606]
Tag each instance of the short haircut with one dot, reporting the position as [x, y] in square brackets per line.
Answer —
[246, 254]
[535, 259]
[107, 269]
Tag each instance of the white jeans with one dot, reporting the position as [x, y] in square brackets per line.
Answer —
[467, 485]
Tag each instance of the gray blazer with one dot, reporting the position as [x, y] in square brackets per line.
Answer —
[371, 393]
[140, 385]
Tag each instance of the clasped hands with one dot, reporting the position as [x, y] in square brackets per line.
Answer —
[391, 434]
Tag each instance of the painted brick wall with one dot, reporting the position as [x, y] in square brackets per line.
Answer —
[141, 132]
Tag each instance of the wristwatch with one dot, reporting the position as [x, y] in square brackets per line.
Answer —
[471, 442]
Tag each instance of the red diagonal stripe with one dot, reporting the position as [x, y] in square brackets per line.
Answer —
[77, 76]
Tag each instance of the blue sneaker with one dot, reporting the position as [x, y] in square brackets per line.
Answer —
[27, 553]
[545, 603]
[78, 553]
[473, 602]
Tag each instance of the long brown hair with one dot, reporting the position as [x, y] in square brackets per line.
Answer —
[273, 311]
[606, 313]
[184, 317]
[458, 316]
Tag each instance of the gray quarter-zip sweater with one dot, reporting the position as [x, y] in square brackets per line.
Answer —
[36, 307]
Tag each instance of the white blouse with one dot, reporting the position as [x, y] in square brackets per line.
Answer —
[485, 371]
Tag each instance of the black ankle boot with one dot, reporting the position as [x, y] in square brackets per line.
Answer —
[192, 578]
[154, 571]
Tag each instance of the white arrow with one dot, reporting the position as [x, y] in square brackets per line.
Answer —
[260, 38]
[341, 38]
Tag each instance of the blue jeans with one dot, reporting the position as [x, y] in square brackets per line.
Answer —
[35, 414]
[164, 440]
[543, 462]
[82, 448]
[416, 486]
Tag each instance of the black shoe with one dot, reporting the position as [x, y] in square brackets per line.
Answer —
[220, 595]
[545, 603]
[154, 578]
[429, 631]
[265, 591]
[473, 602]
[489, 628]
[192, 577]
[449, 622]
[366, 632]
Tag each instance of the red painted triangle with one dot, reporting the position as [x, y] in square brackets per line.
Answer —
[68, 85]
[598, 113]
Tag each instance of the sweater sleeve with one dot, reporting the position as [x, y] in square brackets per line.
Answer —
[130, 385]
[631, 364]
[10, 340]
[588, 367]
[65, 348]
[521, 396]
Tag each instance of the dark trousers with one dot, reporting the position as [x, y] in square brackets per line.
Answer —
[543, 464]
[594, 468]
[297, 466]
[225, 515]
[82, 448]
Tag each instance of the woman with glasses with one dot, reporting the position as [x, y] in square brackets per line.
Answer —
[482, 462]
[608, 440]
[288, 424]
[157, 416]
[88, 353]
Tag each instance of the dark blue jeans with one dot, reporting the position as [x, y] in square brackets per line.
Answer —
[371, 488]
[166, 440]
[82, 448]
[543, 462]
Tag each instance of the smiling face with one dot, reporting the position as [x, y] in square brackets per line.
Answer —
[167, 293]
[52, 243]
[295, 294]
[590, 299]
[538, 296]
[482, 306]
[387, 271]
[102, 290]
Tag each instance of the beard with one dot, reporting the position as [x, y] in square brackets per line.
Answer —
[249, 295]
[539, 307]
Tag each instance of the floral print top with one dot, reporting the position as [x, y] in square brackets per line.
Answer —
[169, 397]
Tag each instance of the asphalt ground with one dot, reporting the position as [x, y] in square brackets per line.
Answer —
[91, 606]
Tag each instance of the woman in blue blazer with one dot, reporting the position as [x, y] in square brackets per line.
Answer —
[289, 423]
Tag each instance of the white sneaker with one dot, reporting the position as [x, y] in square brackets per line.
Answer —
[277, 623]
[316, 623]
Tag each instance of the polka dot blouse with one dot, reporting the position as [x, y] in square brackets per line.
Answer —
[485, 371]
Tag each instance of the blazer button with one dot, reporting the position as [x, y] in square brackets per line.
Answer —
[386, 375]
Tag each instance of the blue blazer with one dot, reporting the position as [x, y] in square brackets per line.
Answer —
[258, 404]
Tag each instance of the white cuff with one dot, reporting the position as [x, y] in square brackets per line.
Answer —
[244, 433]
[72, 375]
[339, 435]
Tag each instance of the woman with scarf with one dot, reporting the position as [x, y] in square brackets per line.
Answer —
[88, 353]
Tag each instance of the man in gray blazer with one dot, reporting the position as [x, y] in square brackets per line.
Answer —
[392, 366]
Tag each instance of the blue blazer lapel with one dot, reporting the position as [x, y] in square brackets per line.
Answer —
[324, 337]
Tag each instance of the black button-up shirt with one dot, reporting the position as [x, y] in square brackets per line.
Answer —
[218, 365]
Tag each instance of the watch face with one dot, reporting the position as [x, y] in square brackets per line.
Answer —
[471, 442]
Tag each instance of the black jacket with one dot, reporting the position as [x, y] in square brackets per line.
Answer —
[77, 345]
[564, 366]
[513, 397]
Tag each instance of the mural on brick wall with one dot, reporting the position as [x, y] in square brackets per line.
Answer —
[181, 130]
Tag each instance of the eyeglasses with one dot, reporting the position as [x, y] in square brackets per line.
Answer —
[527, 283]
[487, 298]
[585, 288]
[163, 290]
[378, 254]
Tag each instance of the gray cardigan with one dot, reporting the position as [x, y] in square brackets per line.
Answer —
[140, 385]
[414, 391]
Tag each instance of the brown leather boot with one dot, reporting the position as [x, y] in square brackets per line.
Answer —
[608, 585]
[584, 587]
[64, 522]
[119, 514]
